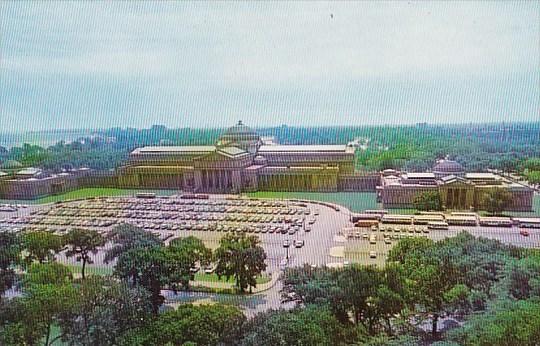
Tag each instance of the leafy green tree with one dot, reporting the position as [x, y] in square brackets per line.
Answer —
[105, 309]
[41, 246]
[522, 277]
[496, 200]
[508, 323]
[183, 254]
[241, 257]
[9, 256]
[428, 201]
[81, 243]
[431, 274]
[17, 327]
[126, 237]
[312, 325]
[147, 268]
[189, 324]
[48, 274]
[49, 294]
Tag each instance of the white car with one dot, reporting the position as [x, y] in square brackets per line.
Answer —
[298, 243]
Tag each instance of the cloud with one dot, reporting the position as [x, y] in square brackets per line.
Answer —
[272, 61]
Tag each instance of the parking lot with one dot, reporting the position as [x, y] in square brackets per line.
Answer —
[308, 228]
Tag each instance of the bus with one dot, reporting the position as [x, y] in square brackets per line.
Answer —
[427, 218]
[437, 225]
[145, 195]
[366, 223]
[376, 212]
[398, 219]
[359, 217]
[495, 221]
[464, 213]
[462, 220]
[527, 222]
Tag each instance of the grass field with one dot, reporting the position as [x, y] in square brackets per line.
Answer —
[203, 277]
[354, 201]
[92, 270]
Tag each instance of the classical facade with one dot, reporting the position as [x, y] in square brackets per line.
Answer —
[458, 190]
[241, 161]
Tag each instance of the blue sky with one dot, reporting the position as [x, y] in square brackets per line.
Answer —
[103, 64]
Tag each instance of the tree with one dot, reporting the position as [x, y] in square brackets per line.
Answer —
[427, 201]
[241, 257]
[507, 323]
[41, 246]
[147, 268]
[9, 256]
[104, 311]
[189, 324]
[81, 244]
[496, 200]
[183, 254]
[312, 325]
[126, 237]
[49, 294]
[431, 273]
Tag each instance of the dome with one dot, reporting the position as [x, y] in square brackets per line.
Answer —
[260, 160]
[448, 167]
[240, 136]
[239, 132]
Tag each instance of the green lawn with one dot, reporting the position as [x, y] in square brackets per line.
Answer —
[91, 270]
[354, 201]
[214, 278]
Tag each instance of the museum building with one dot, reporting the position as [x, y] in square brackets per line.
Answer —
[458, 190]
[240, 161]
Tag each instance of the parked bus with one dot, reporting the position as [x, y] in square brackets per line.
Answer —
[437, 225]
[528, 222]
[496, 222]
[398, 219]
[427, 218]
[366, 223]
[462, 220]
[145, 195]
[358, 217]
[464, 213]
[376, 212]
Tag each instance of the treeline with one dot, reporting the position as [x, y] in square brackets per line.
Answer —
[413, 148]
[125, 308]
[489, 292]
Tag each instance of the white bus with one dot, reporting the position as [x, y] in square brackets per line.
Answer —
[496, 221]
[526, 222]
[459, 220]
[437, 225]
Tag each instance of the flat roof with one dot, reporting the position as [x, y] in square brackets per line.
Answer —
[480, 176]
[29, 171]
[420, 175]
[175, 149]
[305, 148]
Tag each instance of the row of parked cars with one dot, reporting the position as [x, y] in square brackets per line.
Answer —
[216, 215]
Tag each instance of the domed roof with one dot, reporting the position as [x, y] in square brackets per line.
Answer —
[448, 166]
[239, 135]
[240, 131]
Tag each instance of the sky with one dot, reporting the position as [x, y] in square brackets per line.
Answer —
[66, 65]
